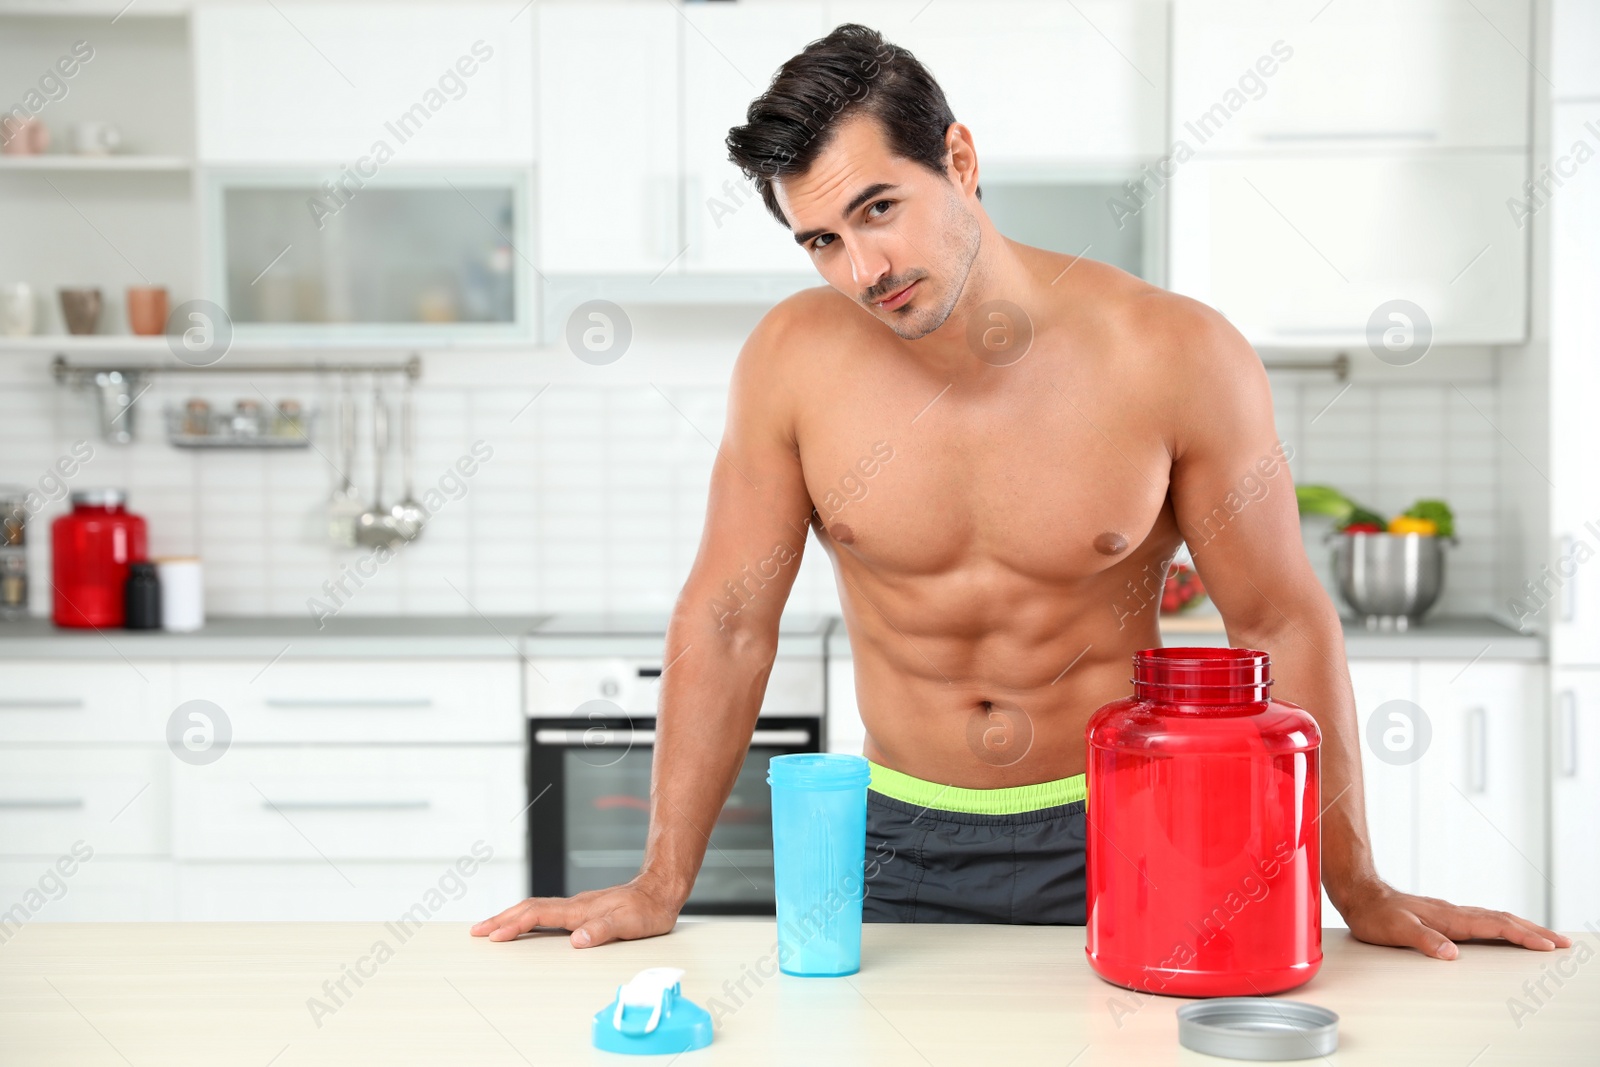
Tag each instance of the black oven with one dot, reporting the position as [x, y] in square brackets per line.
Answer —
[589, 783]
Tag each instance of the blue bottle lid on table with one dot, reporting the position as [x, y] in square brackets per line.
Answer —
[650, 1016]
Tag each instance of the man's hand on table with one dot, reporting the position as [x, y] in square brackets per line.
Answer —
[621, 913]
[1379, 914]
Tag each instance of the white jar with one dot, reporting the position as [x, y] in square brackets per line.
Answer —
[183, 599]
[16, 309]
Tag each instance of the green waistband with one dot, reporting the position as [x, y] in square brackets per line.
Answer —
[1007, 801]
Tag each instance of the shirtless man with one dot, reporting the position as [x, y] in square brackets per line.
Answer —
[1036, 435]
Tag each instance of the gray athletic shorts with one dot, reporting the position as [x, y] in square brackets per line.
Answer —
[929, 865]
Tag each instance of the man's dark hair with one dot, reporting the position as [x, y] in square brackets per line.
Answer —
[852, 70]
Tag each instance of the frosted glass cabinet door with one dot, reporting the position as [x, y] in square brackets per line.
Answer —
[1303, 250]
[1481, 813]
[730, 53]
[405, 254]
[608, 136]
[322, 82]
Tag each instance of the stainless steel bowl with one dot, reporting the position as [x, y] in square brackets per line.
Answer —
[1390, 580]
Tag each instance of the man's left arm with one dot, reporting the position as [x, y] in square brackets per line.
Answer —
[1235, 505]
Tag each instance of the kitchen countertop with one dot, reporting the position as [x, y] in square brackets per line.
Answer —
[355, 636]
[209, 993]
[632, 633]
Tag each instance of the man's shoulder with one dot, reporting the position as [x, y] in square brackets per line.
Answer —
[820, 314]
[799, 333]
[1169, 333]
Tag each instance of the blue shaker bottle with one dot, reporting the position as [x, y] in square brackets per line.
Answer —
[819, 846]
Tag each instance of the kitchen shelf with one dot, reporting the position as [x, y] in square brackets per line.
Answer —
[119, 164]
[93, 342]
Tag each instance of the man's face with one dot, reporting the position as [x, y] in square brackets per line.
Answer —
[885, 231]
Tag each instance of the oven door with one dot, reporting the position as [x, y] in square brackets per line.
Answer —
[589, 780]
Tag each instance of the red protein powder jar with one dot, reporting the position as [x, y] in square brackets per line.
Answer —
[90, 551]
[1203, 849]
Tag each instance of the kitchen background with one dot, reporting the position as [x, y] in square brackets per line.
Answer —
[1301, 166]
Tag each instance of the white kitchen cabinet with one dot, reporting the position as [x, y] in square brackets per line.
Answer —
[375, 701]
[1481, 825]
[609, 130]
[392, 769]
[95, 702]
[1421, 73]
[113, 798]
[102, 888]
[444, 890]
[1039, 82]
[1567, 596]
[1574, 798]
[1391, 788]
[1302, 250]
[1575, 48]
[327, 82]
[339, 802]
[730, 54]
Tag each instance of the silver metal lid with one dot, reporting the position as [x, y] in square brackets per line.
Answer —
[99, 498]
[1258, 1028]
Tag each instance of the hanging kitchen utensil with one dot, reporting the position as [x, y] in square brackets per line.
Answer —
[375, 528]
[344, 506]
[408, 514]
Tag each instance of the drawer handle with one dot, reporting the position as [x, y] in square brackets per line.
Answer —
[41, 803]
[40, 703]
[303, 703]
[1349, 135]
[346, 805]
[1477, 750]
[1567, 729]
[1569, 591]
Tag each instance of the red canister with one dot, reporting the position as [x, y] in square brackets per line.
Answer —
[1203, 846]
[90, 551]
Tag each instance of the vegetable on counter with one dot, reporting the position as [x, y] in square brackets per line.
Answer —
[1404, 524]
[1428, 518]
[1438, 511]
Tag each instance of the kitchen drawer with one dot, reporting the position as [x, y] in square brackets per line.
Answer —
[100, 889]
[379, 700]
[559, 686]
[70, 700]
[347, 803]
[113, 799]
[434, 891]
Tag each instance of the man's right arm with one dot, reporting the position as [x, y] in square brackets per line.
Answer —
[719, 651]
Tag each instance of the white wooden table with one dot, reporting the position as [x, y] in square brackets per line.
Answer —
[166, 994]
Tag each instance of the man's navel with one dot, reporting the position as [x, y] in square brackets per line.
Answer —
[1110, 543]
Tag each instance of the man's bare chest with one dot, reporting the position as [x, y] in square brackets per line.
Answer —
[1036, 483]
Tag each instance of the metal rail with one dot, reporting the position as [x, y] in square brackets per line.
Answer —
[1339, 364]
[65, 371]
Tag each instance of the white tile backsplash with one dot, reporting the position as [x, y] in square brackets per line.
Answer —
[596, 493]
